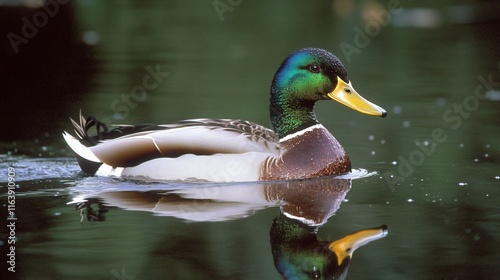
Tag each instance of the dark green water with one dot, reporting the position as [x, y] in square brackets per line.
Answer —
[434, 161]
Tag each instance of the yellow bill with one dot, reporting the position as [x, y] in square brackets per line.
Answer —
[345, 94]
[345, 246]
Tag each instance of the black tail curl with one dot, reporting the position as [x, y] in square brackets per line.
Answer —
[102, 133]
[82, 130]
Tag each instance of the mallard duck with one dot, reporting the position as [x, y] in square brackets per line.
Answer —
[225, 150]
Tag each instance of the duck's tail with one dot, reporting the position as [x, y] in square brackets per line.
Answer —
[88, 162]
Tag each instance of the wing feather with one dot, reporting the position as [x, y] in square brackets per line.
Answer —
[196, 136]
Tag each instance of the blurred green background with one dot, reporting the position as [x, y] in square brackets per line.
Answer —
[425, 62]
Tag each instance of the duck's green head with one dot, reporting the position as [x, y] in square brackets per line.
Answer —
[306, 76]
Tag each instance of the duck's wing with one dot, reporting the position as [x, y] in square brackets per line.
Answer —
[196, 136]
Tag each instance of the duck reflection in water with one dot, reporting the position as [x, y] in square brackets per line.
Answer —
[297, 252]
[305, 205]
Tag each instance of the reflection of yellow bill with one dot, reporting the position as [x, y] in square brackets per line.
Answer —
[345, 94]
[344, 247]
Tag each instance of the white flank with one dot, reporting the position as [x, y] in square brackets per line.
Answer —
[301, 132]
[214, 168]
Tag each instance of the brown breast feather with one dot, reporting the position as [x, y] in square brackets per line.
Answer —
[313, 154]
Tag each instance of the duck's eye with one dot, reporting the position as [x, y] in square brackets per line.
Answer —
[314, 68]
